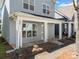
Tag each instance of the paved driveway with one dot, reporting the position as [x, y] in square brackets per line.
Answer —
[67, 52]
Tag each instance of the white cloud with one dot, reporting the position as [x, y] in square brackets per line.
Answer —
[65, 4]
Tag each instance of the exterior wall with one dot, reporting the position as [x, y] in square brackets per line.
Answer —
[38, 7]
[12, 32]
[39, 34]
[6, 25]
[7, 4]
[51, 32]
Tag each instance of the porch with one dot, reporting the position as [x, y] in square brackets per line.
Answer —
[31, 28]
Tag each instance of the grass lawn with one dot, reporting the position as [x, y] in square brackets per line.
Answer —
[2, 50]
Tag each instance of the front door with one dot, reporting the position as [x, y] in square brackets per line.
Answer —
[56, 30]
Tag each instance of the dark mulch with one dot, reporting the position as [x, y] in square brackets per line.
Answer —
[46, 47]
[67, 41]
[28, 54]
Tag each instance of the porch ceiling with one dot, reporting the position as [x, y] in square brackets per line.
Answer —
[29, 17]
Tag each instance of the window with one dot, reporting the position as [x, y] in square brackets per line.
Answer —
[25, 4]
[46, 9]
[31, 4]
[28, 4]
[29, 30]
[23, 30]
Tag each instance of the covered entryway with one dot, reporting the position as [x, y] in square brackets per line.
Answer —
[30, 28]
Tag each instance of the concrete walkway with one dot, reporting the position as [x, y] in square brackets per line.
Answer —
[67, 52]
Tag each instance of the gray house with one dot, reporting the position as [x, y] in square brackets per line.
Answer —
[26, 21]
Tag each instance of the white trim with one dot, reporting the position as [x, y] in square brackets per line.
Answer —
[69, 30]
[20, 33]
[17, 33]
[60, 31]
[46, 32]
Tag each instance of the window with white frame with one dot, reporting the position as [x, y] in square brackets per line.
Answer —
[28, 4]
[29, 30]
[23, 30]
[46, 9]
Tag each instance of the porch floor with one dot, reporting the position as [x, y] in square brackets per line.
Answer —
[53, 40]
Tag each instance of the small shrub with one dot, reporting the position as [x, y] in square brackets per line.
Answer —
[2, 39]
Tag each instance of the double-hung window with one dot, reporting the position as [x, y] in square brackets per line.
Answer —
[24, 30]
[31, 4]
[29, 30]
[28, 4]
[46, 9]
[25, 4]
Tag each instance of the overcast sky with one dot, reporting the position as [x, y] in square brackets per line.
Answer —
[62, 3]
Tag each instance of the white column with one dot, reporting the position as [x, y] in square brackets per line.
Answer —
[46, 31]
[20, 33]
[53, 30]
[17, 33]
[69, 29]
[75, 21]
[60, 30]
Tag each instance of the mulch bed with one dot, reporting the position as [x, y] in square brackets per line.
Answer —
[46, 47]
[67, 41]
[49, 47]
[28, 54]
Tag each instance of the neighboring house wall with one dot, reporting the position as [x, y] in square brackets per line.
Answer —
[17, 5]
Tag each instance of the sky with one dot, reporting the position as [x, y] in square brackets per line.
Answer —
[62, 3]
